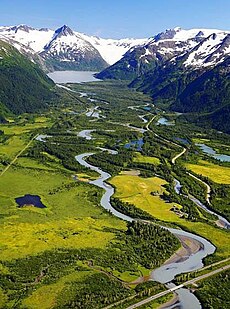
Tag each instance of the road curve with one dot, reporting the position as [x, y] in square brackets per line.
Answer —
[178, 156]
[208, 193]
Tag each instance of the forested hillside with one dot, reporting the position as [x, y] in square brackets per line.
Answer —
[23, 86]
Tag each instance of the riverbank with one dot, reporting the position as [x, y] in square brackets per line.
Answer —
[188, 247]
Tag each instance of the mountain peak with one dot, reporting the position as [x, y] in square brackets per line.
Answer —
[21, 27]
[167, 34]
[64, 31]
[177, 29]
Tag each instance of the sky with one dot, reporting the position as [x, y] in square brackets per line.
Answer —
[117, 18]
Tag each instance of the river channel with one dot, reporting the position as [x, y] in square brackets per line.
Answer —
[222, 221]
[165, 273]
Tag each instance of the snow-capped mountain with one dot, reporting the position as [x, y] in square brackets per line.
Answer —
[112, 50]
[196, 48]
[205, 47]
[28, 36]
[187, 71]
[68, 49]
[65, 48]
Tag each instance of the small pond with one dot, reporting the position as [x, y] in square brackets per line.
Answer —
[137, 145]
[212, 153]
[164, 121]
[29, 199]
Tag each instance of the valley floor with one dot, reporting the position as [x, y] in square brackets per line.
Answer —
[73, 253]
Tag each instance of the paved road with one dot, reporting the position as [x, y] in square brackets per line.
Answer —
[178, 156]
[151, 298]
[208, 193]
[14, 160]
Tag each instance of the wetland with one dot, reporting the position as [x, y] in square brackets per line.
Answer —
[89, 240]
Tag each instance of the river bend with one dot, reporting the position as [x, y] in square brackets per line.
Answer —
[165, 273]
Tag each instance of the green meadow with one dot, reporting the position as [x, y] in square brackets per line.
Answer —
[139, 158]
[137, 190]
[217, 173]
[73, 253]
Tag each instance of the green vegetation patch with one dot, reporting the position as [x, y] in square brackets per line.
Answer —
[217, 173]
[145, 159]
[214, 292]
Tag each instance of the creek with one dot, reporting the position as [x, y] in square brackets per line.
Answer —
[222, 221]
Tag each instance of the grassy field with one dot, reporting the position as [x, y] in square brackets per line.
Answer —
[73, 218]
[74, 238]
[66, 222]
[136, 190]
[18, 136]
[39, 297]
[216, 173]
[139, 158]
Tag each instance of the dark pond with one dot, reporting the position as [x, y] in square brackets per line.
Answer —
[28, 199]
[182, 140]
[137, 145]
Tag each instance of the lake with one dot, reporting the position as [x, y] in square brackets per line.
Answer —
[73, 77]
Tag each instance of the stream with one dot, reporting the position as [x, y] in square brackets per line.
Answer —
[165, 273]
[222, 221]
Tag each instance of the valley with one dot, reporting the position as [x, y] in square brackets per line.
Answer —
[99, 235]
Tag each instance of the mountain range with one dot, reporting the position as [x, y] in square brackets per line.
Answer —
[64, 48]
[193, 49]
[187, 71]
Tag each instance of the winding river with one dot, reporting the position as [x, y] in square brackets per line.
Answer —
[165, 273]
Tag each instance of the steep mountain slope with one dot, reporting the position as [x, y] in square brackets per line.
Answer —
[219, 119]
[184, 71]
[208, 98]
[177, 80]
[68, 49]
[27, 51]
[23, 86]
[156, 52]
[207, 92]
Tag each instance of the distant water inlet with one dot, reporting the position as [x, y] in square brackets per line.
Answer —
[30, 200]
[73, 77]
